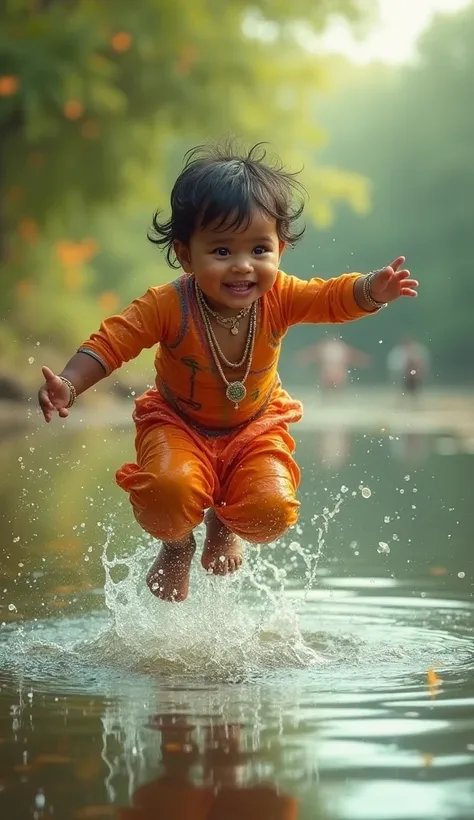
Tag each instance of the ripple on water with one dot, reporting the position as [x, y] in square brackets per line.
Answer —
[340, 640]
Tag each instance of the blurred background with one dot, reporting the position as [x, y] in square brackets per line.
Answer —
[372, 100]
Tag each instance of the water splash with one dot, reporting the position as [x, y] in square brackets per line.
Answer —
[234, 625]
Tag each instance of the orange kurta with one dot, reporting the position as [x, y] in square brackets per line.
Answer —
[195, 450]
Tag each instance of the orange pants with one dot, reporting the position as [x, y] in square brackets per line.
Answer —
[249, 477]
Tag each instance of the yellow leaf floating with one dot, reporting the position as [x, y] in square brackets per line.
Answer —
[433, 682]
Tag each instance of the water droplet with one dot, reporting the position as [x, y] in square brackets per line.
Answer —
[386, 519]
[461, 574]
[15, 540]
[366, 492]
[31, 360]
[383, 548]
[12, 608]
[344, 489]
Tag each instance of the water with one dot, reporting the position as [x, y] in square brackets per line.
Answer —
[332, 678]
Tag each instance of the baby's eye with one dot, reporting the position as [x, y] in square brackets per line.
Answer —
[260, 249]
[221, 251]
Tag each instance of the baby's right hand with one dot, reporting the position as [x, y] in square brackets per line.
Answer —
[53, 396]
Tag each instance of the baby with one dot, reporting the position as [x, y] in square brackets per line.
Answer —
[212, 435]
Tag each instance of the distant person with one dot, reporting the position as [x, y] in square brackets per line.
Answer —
[212, 435]
[408, 365]
[334, 358]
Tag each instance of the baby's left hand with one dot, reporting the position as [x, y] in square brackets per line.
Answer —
[389, 284]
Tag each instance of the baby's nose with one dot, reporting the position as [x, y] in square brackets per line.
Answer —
[242, 266]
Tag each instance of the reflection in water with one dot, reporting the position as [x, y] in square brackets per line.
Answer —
[411, 449]
[321, 680]
[333, 447]
[202, 776]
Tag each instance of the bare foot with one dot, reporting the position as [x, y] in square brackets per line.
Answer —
[168, 576]
[223, 552]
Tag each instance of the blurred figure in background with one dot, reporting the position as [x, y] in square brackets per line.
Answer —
[334, 358]
[408, 365]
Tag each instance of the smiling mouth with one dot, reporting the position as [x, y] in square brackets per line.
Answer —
[240, 287]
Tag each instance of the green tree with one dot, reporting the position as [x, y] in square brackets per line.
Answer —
[97, 99]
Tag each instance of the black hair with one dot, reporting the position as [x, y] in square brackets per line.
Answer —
[222, 185]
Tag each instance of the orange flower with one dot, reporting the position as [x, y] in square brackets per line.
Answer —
[25, 287]
[73, 109]
[28, 229]
[109, 301]
[74, 254]
[9, 85]
[90, 248]
[121, 41]
[14, 194]
[36, 159]
[186, 59]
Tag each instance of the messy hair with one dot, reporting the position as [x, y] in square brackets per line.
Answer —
[221, 185]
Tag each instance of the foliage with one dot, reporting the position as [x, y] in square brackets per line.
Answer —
[97, 105]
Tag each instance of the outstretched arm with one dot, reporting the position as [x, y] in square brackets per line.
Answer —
[55, 395]
[343, 298]
[384, 286]
[120, 338]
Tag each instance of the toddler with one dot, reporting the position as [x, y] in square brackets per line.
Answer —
[212, 436]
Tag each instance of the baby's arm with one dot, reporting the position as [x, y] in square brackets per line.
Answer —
[142, 324]
[344, 298]
[55, 395]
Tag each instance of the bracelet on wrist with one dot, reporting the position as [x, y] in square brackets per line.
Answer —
[72, 391]
[366, 292]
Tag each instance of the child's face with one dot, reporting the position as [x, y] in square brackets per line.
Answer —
[233, 267]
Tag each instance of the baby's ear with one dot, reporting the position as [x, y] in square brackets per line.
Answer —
[182, 255]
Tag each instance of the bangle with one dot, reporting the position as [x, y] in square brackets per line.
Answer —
[72, 391]
[367, 294]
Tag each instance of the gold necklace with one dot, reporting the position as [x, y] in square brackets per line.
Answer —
[230, 322]
[232, 365]
[235, 391]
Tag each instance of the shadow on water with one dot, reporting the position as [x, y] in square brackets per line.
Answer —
[332, 678]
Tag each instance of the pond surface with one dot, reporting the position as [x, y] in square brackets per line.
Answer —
[333, 678]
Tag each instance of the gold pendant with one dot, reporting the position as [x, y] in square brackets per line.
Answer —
[236, 392]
